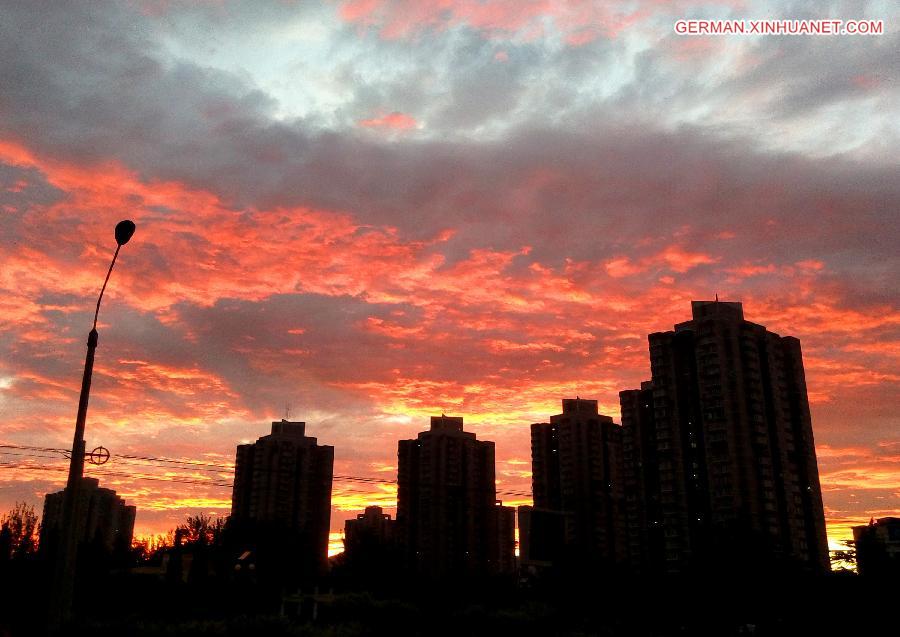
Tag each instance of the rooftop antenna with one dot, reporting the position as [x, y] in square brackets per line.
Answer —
[717, 297]
[287, 411]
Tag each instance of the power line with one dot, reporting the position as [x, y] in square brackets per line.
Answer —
[133, 476]
[57, 449]
[174, 461]
[195, 465]
[106, 472]
[30, 455]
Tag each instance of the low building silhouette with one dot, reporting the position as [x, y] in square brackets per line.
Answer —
[448, 519]
[542, 538]
[371, 526]
[102, 518]
[504, 561]
[370, 542]
[878, 547]
[281, 502]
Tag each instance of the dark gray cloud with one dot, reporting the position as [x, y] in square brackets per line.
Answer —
[94, 84]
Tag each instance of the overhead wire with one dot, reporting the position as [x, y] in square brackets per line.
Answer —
[163, 462]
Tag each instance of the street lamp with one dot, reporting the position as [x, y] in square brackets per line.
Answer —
[64, 573]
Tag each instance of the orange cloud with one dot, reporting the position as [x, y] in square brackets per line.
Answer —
[394, 121]
[497, 335]
[580, 21]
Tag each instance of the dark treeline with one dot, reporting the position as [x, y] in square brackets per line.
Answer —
[190, 581]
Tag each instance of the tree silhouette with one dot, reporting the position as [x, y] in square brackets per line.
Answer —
[200, 540]
[842, 558]
[17, 532]
[202, 530]
[150, 549]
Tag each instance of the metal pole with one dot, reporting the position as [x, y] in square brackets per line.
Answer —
[64, 568]
[63, 585]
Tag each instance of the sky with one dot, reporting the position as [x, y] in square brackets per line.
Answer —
[363, 213]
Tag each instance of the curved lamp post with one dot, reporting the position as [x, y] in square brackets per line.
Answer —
[64, 574]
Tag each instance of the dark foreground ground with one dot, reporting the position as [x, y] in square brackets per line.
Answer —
[141, 605]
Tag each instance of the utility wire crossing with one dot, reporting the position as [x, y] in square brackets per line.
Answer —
[173, 464]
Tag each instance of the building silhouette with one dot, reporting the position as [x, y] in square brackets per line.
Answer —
[102, 518]
[720, 461]
[644, 531]
[504, 560]
[449, 521]
[281, 501]
[371, 526]
[878, 547]
[370, 541]
[542, 535]
[578, 490]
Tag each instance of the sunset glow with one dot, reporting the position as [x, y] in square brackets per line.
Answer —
[365, 213]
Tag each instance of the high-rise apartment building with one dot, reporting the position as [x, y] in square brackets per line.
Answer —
[577, 472]
[448, 518]
[281, 501]
[641, 480]
[719, 454]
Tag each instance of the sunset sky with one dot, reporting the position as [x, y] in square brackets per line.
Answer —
[373, 212]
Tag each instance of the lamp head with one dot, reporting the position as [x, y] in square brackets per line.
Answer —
[124, 230]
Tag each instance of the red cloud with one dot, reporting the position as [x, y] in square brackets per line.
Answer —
[673, 257]
[497, 336]
[395, 121]
[581, 21]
